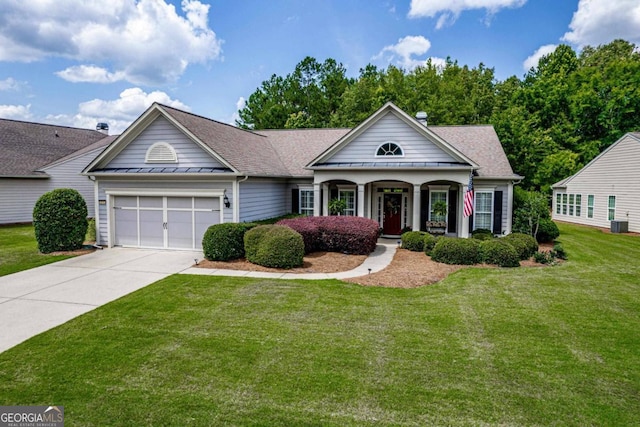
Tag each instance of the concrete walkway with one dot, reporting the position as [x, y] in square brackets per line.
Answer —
[378, 260]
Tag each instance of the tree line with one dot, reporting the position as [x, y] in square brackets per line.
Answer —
[552, 121]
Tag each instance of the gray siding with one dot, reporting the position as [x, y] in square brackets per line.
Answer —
[261, 199]
[391, 129]
[614, 173]
[168, 185]
[19, 196]
[161, 130]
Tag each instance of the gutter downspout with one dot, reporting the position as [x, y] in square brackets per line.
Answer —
[96, 208]
[236, 198]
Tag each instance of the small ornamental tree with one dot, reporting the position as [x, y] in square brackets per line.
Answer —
[60, 220]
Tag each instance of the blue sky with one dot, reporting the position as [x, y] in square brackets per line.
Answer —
[78, 62]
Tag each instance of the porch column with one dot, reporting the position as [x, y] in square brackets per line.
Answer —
[360, 202]
[316, 199]
[325, 200]
[464, 223]
[417, 199]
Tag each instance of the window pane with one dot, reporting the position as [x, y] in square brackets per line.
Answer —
[578, 204]
[590, 203]
[306, 202]
[435, 197]
[349, 197]
[483, 211]
[558, 202]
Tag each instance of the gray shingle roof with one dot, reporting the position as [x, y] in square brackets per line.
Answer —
[27, 147]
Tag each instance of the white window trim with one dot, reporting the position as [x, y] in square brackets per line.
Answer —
[302, 188]
[591, 206]
[609, 209]
[385, 156]
[351, 189]
[477, 191]
[440, 189]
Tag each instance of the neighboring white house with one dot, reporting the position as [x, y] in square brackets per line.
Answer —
[36, 158]
[605, 190]
[172, 174]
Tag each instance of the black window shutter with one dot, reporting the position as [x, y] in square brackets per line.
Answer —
[424, 209]
[453, 211]
[497, 212]
[295, 200]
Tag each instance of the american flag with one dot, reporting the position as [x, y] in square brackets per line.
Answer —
[468, 198]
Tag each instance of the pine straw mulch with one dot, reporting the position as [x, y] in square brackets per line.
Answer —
[407, 269]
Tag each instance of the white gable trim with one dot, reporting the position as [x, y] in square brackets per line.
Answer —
[389, 107]
[137, 127]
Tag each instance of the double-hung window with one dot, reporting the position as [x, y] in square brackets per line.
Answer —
[349, 196]
[578, 204]
[590, 203]
[306, 202]
[612, 208]
[483, 214]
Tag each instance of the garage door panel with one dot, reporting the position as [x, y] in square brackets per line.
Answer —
[203, 221]
[207, 203]
[151, 202]
[126, 223]
[151, 229]
[180, 229]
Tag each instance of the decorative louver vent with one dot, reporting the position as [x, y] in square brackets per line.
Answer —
[161, 152]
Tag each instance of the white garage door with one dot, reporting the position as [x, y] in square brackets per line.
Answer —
[163, 222]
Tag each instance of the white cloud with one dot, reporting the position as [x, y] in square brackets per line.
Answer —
[16, 112]
[91, 74]
[10, 84]
[118, 113]
[405, 51]
[532, 61]
[141, 41]
[449, 10]
[599, 22]
[240, 104]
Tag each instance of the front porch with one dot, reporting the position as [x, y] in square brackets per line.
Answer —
[399, 205]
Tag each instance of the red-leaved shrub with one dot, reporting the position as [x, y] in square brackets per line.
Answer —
[346, 234]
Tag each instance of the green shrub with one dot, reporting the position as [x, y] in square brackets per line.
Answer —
[413, 241]
[90, 236]
[524, 244]
[543, 258]
[547, 231]
[559, 252]
[482, 234]
[456, 251]
[60, 220]
[499, 252]
[275, 246]
[429, 242]
[223, 242]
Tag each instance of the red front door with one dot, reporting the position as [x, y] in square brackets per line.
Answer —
[391, 223]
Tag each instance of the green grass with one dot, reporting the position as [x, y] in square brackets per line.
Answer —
[19, 250]
[527, 346]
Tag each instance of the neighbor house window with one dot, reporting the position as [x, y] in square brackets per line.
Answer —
[349, 196]
[571, 204]
[306, 202]
[558, 203]
[590, 201]
[564, 204]
[483, 214]
[578, 204]
[612, 208]
[389, 149]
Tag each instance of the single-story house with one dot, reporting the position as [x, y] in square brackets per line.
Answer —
[607, 189]
[172, 174]
[37, 158]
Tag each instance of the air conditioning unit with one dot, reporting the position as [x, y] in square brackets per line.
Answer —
[619, 226]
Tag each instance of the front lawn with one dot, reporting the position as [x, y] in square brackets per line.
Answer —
[527, 346]
[19, 250]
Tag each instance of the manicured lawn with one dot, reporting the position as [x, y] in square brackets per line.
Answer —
[527, 346]
[19, 250]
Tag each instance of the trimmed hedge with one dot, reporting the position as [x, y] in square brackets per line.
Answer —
[499, 252]
[524, 244]
[274, 246]
[60, 220]
[413, 241]
[346, 234]
[482, 234]
[429, 242]
[223, 242]
[457, 251]
[547, 231]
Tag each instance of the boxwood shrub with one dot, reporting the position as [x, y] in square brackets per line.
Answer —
[274, 246]
[499, 252]
[457, 251]
[346, 234]
[60, 220]
[482, 234]
[429, 241]
[413, 241]
[524, 244]
[547, 231]
[223, 242]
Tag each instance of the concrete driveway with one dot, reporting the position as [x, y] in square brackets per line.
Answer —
[36, 300]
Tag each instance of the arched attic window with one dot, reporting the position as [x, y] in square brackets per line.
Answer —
[389, 149]
[161, 152]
